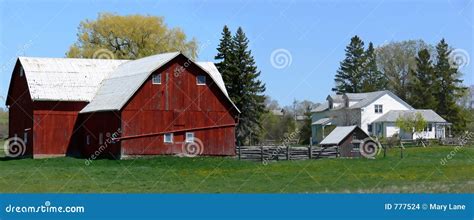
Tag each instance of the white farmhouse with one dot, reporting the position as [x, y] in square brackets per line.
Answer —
[375, 113]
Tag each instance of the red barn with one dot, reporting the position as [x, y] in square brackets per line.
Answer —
[162, 104]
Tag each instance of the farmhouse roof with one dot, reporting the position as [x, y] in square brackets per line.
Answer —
[339, 134]
[65, 79]
[428, 114]
[321, 107]
[367, 98]
[322, 121]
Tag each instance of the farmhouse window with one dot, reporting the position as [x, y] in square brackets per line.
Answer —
[189, 137]
[378, 108]
[429, 127]
[201, 80]
[369, 128]
[156, 78]
[101, 138]
[168, 138]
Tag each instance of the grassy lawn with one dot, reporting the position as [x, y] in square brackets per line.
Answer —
[419, 171]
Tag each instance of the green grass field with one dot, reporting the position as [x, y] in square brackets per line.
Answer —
[419, 171]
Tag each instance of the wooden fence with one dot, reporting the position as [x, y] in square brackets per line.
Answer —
[268, 153]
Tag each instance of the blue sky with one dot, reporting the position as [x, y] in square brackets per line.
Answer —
[312, 33]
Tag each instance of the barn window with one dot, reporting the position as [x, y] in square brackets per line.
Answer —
[378, 108]
[88, 139]
[201, 80]
[25, 137]
[101, 138]
[168, 138]
[22, 71]
[189, 137]
[156, 78]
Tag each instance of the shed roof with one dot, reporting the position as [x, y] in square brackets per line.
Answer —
[339, 134]
[65, 79]
[428, 114]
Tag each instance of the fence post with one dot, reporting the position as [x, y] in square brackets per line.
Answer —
[287, 152]
[261, 152]
[240, 152]
[310, 152]
[384, 151]
[401, 152]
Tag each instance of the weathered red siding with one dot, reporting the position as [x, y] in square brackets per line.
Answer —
[54, 126]
[94, 124]
[20, 110]
[178, 104]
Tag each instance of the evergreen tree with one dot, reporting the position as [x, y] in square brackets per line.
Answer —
[244, 87]
[448, 88]
[224, 57]
[305, 132]
[421, 85]
[373, 79]
[349, 76]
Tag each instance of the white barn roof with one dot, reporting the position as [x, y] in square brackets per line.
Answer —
[65, 79]
[122, 83]
[105, 84]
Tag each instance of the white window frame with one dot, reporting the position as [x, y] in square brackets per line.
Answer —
[199, 83]
[22, 71]
[189, 139]
[378, 109]
[164, 138]
[154, 76]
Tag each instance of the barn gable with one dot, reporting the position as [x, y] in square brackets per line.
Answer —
[116, 90]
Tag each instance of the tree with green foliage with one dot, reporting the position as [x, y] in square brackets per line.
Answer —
[224, 58]
[448, 88]
[245, 89]
[305, 131]
[372, 78]
[114, 36]
[421, 94]
[396, 60]
[412, 124]
[349, 76]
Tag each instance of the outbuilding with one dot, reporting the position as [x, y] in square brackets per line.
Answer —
[345, 138]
